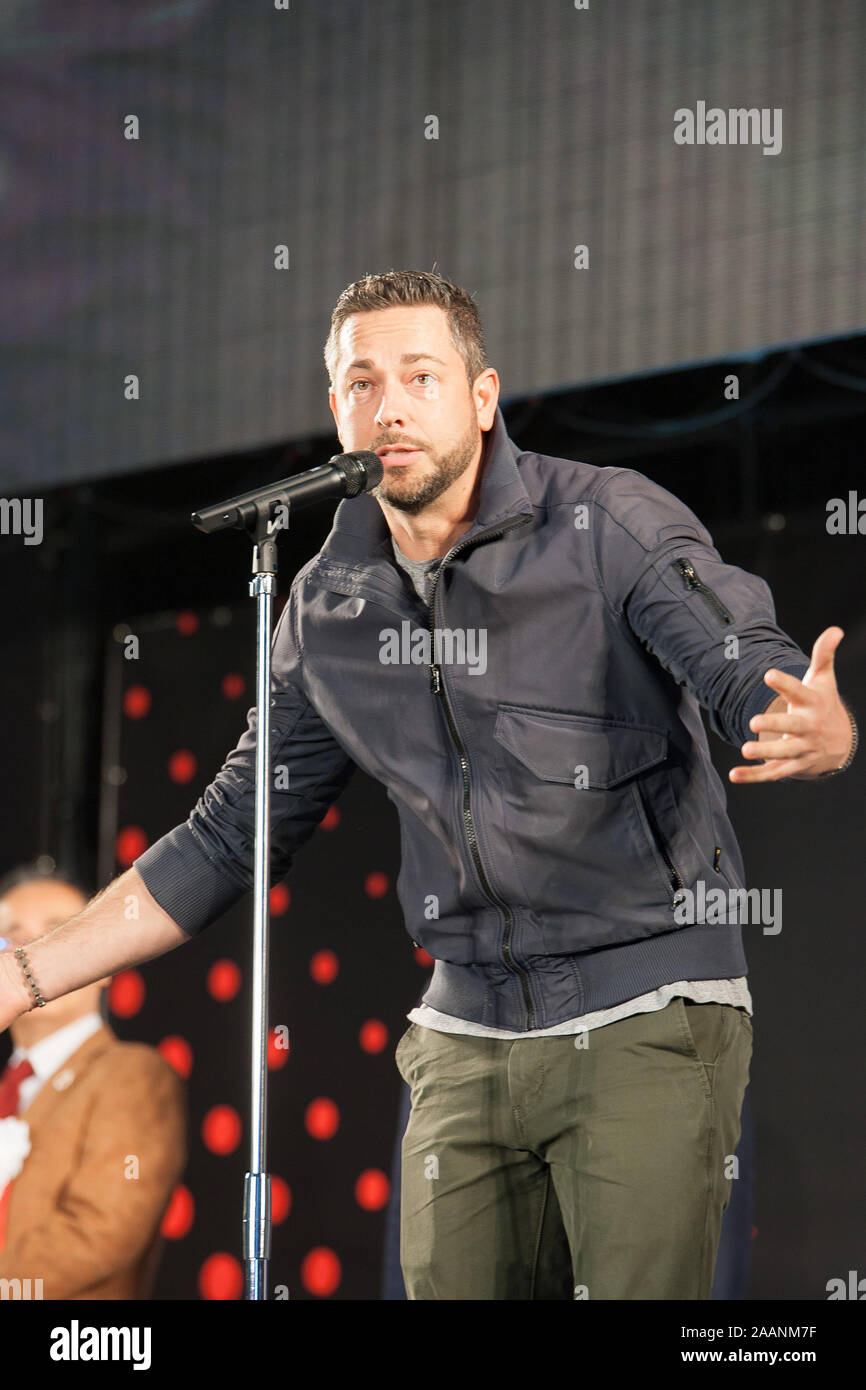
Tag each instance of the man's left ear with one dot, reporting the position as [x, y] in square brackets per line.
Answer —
[487, 400]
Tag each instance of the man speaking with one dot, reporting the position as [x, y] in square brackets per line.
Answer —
[578, 1061]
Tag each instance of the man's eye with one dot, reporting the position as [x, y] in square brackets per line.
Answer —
[353, 384]
[427, 374]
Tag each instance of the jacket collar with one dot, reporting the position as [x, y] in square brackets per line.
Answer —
[360, 531]
[66, 1074]
[48, 1055]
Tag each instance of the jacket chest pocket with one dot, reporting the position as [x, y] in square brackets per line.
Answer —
[594, 803]
[582, 750]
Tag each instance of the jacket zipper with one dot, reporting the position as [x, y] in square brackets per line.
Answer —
[437, 685]
[695, 583]
[676, 881]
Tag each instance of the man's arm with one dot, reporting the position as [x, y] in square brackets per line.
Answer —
[198, 870]
[713, 626]
[710, 624]
[122, 926]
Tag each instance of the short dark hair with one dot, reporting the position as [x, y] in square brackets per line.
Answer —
[394, 287]
[39, 872]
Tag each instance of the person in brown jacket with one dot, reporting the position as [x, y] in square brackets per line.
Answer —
[93, 1134]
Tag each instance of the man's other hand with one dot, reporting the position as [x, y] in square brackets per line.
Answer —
[806, 730]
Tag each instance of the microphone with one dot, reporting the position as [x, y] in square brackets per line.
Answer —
[344, 475]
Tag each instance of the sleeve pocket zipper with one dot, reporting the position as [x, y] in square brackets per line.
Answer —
[694, 583]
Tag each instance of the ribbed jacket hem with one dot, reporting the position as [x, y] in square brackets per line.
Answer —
[565, 987]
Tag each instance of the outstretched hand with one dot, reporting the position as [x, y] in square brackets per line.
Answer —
[806, 731]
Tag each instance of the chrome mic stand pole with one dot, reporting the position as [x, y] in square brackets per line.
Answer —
[257, 1183]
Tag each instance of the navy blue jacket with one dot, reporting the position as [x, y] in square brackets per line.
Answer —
[546, 753]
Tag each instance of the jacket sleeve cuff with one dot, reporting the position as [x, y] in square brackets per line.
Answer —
[186, 884]
[763, 696]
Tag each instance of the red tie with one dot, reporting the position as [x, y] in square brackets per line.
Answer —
[10, 1086]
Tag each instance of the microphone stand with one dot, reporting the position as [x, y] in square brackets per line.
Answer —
[257, 1182]
[345, 475]
[251, 513]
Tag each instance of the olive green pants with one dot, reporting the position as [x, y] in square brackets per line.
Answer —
[542, 1169]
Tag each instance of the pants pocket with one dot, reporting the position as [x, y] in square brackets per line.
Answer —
[706, 1031]
[745, 1022]
[400, 1051]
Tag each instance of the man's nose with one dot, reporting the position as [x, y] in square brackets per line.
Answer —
[392, 409]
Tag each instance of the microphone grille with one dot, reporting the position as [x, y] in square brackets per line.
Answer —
[363, 471]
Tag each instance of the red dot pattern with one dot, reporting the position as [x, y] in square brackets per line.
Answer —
[221, 1277]
[129, 843]
[233, 686]
[178, 1053]
[126, 993]
[179, 1214]
[373, 1036]
[182, 766]
[376, 885]
[221, 1129]
[279, 900]
[281, 1200]
[279, 1049]
[223, 980]
[372, 1190]
[322, 1118]
[321, 1272]
[324, 967]
[136, 702]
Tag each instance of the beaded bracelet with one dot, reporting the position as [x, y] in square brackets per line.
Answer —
[834, 771]
[25, 966]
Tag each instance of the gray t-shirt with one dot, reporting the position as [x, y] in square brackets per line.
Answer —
[421, 572]
[732, 991]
